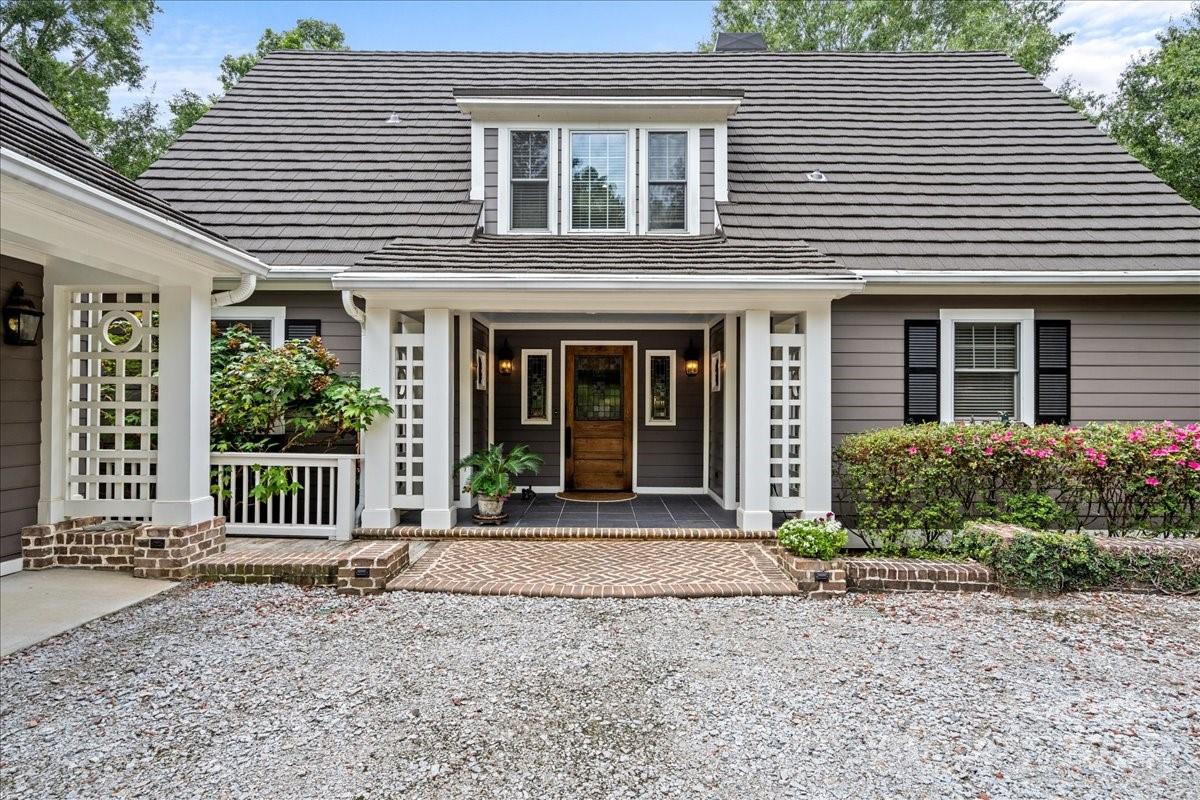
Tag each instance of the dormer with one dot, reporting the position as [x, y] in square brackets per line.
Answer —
[628, 162]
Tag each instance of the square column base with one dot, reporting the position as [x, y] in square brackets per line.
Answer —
[755, 520]
[378, 518]
[439, 519]
[182, 512]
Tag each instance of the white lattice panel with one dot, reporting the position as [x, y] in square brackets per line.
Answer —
[112, 413]
[408, 419]
[787, 417]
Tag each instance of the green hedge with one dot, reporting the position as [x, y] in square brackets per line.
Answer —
[926, 480]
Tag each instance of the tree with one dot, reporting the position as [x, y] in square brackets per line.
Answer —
[309, 34]
[76, 51]
[1155, 114]
[1020, 28]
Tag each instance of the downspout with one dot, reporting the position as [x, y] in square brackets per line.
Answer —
[359, 316]
[235, 296]
[356, 313]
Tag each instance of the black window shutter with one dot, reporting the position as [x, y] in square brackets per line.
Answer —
[301, 328]
[921, 347]
[260, 328]
[1052, 374]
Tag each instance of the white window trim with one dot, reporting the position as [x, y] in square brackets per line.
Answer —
[276, 315]
[1023, 318]
[693, 179]
[630, 183]
[650, 355]
[525, 354]
[504, 181]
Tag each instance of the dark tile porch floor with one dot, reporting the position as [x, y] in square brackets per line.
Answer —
[644, 511]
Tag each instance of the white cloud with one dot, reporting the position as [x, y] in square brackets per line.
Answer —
[182, 56]
[1108, 35]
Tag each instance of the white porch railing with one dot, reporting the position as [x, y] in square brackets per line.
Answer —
[324, 505]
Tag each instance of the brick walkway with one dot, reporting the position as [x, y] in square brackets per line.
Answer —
[597, 569]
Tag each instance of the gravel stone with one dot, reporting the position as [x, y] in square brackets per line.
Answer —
[227, 691]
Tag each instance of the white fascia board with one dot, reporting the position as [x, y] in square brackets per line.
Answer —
[566, 109]
[522, 282]
[935, 280]
[40, 176]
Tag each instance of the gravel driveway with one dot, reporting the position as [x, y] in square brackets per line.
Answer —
[273, 692]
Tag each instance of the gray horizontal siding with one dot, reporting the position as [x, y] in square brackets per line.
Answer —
[1132, 358]
[20, 418]
[341, 334]
[491, 193]
[667, 456]
[708, 187]
[479, 399]
[716, 418]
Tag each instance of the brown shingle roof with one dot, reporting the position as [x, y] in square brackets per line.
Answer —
[946, 160]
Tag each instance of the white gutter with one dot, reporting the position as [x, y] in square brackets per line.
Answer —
[37, 174]
[237, 295]
[356, 313]
[521, 282]
[1029, 277]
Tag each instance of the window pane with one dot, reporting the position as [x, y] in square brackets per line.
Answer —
[660, 387]
[985, 346]
[598, 181]
[530, 204]
[535, 386]
[667, 156]
[530, 155]
[666, 208]
[984, 395]
[598, 389]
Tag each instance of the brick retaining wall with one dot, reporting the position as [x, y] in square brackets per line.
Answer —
[69, 544]
[169, 551]
[915, 575]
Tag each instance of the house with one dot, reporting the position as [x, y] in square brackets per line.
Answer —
[125, 282]
[685, 273]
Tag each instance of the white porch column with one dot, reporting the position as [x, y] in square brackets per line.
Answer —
[440, 504]
[56, 332]
[754, 511]
[818, 410]
[183, 496]
[377, 440]
[729, 400]
[466, 397]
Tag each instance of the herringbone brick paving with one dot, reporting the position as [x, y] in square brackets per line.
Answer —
[597, 569]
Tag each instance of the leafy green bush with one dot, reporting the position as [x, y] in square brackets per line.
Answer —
[912, 484]
[266, 398]
[1039, 560]
[813, 538]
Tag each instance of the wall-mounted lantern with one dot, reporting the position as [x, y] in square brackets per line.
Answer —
[504, 359]
[22, 317]
[691, 360]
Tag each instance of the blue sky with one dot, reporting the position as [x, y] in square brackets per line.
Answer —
[190, 36]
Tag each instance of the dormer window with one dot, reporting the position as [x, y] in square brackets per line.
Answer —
[667, 172]
[599, 180]
[530, 181]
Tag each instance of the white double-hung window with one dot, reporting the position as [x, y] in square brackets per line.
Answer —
[666, 181]
[599, 180]
[987, 363]
[529, 180]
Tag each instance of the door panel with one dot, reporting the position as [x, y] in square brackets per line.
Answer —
[599, 417]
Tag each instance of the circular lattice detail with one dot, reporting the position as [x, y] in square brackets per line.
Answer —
[121, 331]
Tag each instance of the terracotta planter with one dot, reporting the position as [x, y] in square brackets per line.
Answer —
[490, 506]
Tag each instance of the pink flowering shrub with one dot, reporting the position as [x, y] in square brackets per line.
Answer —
[1128, 477]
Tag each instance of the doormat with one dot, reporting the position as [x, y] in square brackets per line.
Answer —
[596, 497]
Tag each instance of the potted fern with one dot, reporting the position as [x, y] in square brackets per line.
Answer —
[492, 474]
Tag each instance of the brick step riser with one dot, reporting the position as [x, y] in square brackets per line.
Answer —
[565, 534]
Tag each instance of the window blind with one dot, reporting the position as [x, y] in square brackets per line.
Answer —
[985, 370]
[301, 328]
[666, 168]
[598, 181]
[921, 341]
[530, 180]
[1052, 380]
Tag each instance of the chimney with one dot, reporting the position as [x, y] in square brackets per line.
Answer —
[728, 42]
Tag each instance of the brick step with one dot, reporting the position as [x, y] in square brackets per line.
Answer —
[556, 533]
[354, 568]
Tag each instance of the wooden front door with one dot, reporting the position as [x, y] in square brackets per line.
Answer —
[599, 417]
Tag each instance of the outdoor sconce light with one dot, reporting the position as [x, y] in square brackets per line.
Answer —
[504, 359]
[691, 360]
[22, 318]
